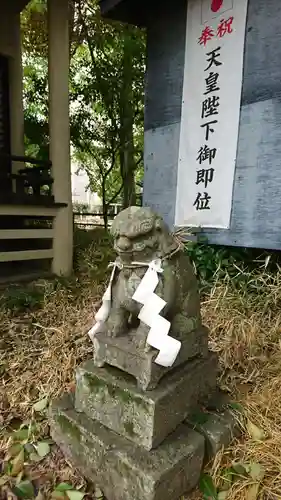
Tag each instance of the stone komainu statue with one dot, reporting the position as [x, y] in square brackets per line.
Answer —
[141, 236]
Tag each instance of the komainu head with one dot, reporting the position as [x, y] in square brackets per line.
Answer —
[140, 234]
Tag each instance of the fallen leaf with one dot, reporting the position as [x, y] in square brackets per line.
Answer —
[255, 432]
[41, 405]
[43, 449]
[13, 451]
[227, 479]
[252, 492]
[63, 487]
[236, 406]
[34, 457]
[58, 495]
[24, 489]
[4, 480]
[20, 435]
[18, 463]
[256, 471]
[207, 487]
[19, 477]
[239, 468]
[75, 494]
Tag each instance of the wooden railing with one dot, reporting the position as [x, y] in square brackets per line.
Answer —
[85, 220]
[27, 210]
[27, 184]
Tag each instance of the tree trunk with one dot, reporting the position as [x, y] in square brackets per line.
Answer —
[104, 205]
[127, 160]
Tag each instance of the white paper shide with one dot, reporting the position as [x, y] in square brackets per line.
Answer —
[158, 337]
[150, 315]
[210, 112]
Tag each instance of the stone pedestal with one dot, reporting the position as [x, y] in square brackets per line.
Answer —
[147, 418]
[123, 470]
[123, 353]
[141, 445]
[130, 425]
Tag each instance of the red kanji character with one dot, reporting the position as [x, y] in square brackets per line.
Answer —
[206, 35]
[225, 27]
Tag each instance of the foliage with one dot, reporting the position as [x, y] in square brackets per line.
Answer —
[106, 96]
[35, 100]
[19, 299]
[214, 263]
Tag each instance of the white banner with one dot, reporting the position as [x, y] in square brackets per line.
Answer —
[210, 112]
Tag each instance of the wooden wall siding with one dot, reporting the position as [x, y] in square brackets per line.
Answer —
[164, 82]
[256, 210]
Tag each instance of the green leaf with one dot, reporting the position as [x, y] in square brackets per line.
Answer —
[255, 432]
[43, 449]
[18, 463]
[34, 457]
[41, 405]
[24, 489]
[256, 471]
[75, 494]
[207, 487]
[240, 469]
[236, 406]
[64, 487]
[227, 479]
[13, 451]
[20, 435]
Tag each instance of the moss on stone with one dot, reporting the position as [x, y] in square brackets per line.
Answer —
[102, 388]
[94, 382]
[68, 427]
[129, 428]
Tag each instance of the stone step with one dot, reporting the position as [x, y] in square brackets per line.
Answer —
[112, 398]
[121, 469]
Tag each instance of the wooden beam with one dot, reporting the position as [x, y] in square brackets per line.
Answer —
[26, 255]
[26, 234]
[59, 131]
[28, 210]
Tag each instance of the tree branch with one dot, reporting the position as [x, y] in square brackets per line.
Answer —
[116, 194]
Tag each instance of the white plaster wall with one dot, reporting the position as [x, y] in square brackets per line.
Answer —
[80, 193]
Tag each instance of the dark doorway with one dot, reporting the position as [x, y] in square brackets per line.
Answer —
[5, 148]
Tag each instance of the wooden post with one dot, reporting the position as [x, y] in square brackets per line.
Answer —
[58, 26]
[16, 101]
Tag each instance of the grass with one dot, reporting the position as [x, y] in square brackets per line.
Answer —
[43, 339]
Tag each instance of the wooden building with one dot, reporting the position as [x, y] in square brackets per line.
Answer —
[256, 200]
[35, 204]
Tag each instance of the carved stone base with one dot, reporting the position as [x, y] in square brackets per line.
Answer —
[122, 353]
[112, 398]
[121, 469]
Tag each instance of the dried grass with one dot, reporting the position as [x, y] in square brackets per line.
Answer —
[245, 331]
[41, 349]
